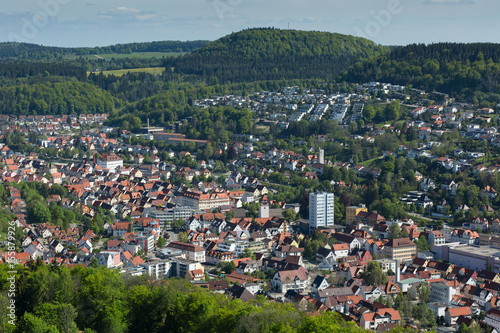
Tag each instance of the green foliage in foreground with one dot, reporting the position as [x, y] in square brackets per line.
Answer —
[50, 298]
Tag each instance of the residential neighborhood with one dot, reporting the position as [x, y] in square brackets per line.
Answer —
[165, 210]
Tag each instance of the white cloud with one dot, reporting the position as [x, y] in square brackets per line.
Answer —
[145, 17]
[128, 14]
[127, 10]
[308, 19]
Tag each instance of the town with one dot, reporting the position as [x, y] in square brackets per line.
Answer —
[392, 220]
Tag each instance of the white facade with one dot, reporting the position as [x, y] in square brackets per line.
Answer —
[158, 269]
[264, 209]
[111, 162]
[493, 319]
[321, 210]
[292, 282]
[169, 215]
[387, 264]
[168, 268]
[109, 259]
[437, 308]
[233, 246]
[442, 293]
[321, 157]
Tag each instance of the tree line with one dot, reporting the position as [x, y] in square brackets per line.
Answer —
[29, 51]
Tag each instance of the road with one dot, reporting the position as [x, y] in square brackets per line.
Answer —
[420, 216]
[173, 236]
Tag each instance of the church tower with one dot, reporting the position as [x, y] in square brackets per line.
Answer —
[264, 207]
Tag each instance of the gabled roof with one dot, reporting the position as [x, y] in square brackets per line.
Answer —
[400, 242]
[240, 292]
[494, 313]
[461, 311]
[291, 275]
[487, 275]
[218, 284]
[318, 280]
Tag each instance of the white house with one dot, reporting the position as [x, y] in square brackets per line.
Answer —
[493, 318]
[109, 259]
[319, 283]
[297, 279]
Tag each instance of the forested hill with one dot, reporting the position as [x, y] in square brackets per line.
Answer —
[270, 54]
[449, 67]
[39, 52]
[56, 98]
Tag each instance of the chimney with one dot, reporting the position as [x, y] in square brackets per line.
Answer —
[321, 157]
[398, 271]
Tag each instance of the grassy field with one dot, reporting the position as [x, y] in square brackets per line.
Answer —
[262, 129]
[371, 163]
[150, 70]
[127, 55]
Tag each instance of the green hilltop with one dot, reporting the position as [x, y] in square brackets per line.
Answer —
[271, 54]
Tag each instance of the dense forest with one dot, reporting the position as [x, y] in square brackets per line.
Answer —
[56, 98]
[39, 52]
[449, 67]
[22, 70]
[52, 298]
[272, 54]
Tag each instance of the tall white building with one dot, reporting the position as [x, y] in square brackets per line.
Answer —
[321, 213]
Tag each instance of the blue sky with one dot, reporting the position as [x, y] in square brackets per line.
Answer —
[106, 22]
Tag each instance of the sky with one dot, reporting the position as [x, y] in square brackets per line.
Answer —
[72, 23]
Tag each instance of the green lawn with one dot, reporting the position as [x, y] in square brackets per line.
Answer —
[261, 129]
[150, 70]
[489, 115]
[370, 163]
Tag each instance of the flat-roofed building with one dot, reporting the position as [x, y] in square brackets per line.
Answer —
[165, 136]
[321, 210]
[352, 211]
[387, 264]
[442, 293]
[160, 269]
[168, 215]
[474, 257]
